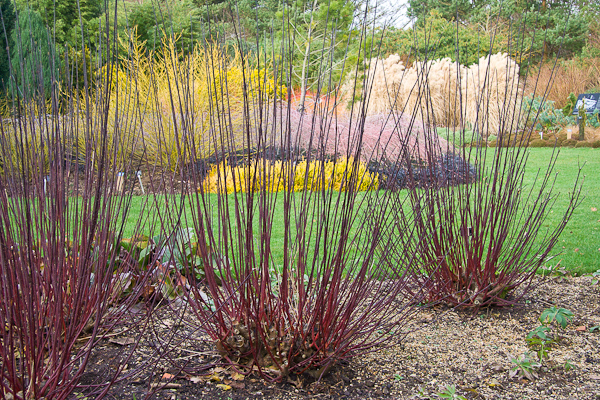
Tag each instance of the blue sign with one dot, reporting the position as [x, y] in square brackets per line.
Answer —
[590, 101]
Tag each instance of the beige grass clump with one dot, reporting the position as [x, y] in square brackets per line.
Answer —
[383, 77]
[557, 81]
[432, 93]
[491, 95]
[445, 93]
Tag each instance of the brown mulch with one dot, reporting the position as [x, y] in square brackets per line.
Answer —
[470, 351]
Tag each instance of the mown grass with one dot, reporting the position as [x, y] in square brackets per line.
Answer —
[579, 244]
[578, 248]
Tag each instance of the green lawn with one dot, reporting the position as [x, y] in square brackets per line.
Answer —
[578, 248]
[579, 244]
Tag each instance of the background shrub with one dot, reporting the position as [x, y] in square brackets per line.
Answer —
[276, 176]
[576, 76]
[569, 143]
[539, 143]
[581, 144]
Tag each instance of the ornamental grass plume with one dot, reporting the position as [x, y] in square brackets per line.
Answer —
[455, 93]
[492, 97]
[384, 78]
[439, 81]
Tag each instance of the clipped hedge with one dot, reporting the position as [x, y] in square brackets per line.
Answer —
[569, 143]
[582, 144]
[539, 143]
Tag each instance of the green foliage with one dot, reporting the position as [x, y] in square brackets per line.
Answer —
[321, 32]
[62, 19]
[596, 277]
[542, 27]
[545, 116]
[256, 17]
[562, 316]
[9, 18]
[175, 259]
[538, 339]
[593, 120]
[568, 366]
[33, 56]
[525, 367]
[449, 392]
[436, 37]
[558, 271]
[570, 106]
[155, 20]
[450, 10]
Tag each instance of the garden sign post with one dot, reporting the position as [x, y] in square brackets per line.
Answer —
[587, 103]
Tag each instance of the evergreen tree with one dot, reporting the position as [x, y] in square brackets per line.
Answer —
[33, 54]
[546, 27]
[62, 18]
[6, 28]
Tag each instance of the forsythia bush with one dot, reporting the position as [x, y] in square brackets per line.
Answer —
[272, 176]
[168, 95]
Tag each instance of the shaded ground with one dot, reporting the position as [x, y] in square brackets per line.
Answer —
[446, 347]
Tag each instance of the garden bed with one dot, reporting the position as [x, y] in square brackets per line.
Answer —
[471, 352]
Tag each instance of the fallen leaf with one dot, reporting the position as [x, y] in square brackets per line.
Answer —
[196, 379]
[594, 209]
[581, 328]
[214, 378]
[224, 387]
[166, 376]
[493, 383]
[237, 376]
[122, 341]
[576, 250]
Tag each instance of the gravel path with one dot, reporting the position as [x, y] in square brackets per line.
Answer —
[444, 347]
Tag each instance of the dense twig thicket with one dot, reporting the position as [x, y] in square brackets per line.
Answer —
[479, 244]
[63, 208]
[327, 295]
[283, 233]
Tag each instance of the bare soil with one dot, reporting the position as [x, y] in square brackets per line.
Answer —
[471, 351]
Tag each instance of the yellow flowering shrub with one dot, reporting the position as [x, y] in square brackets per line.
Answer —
[168, 97]
[272, 176]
